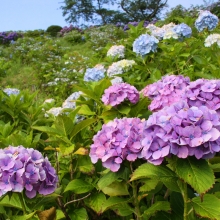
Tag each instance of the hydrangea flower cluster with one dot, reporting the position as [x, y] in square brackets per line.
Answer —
[211, 39]
[116, 80]
[26, 169]
[54, 111]
[116, 51]
[183, 30]
[204, 92]
[70, 101]
[94, 74]
[11, 91]
[168, 90]
[183, 131]
[117, 93]
[144, 44]
[118, 140]
[206, 20]
[120, 67]
[7, 37]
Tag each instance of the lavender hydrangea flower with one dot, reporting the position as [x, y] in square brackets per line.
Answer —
[94, 74]
[117, 93]
[144, 44]
[118, 140]
[166, 91]
[183, 30]
[26, 169]
[206, 20]
[70, 101]
[204, 92]
[181, 130]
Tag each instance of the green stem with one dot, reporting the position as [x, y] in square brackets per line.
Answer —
[136, 202]
[22, 203]
[185, 199]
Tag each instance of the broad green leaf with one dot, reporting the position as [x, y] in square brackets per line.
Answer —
[124, 109]
[85, 165]
[116, 189]
[123, 209]
[112, 201]
[78, 186]
[149, 185]
[199, 59]
[7, 129]
[64, 125]
[110, 177]
[209, 207]
[79, 214]
[109, 115]
[162, 173]
[12, 201]
[66, 150]
[142, 104]
[25, 217]
[85, 110]
[96, 202]
[83, 124]
[158, 206]
[177, 205]
[46, 129]
[194, 172]
[102, 85]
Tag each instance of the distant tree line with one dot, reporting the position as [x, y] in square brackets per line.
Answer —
[124, 11]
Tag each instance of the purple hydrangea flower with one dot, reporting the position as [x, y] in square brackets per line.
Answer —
[166, 91]
[206, 20]
[117, 93]
[183, 30]
[22, 168]
[118, 140]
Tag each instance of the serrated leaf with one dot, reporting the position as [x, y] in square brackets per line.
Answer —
[123, 209]
[85, 110]
[162, 173]
[148, 185]
[64, 125]
[124, 109]
[102, 85]
[85, 165]
[83, 124]
[66, 150]
[209, 207]
[96, 202]
[116, 189]
[112, 201]
[142, 104]
[158, 206]
[194, 172]
[46, 129]
[78, 186]
[79, 214]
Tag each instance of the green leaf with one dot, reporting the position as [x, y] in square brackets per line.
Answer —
[142, 104]
[63, 125]
[123, 209]
[12, 201]
[116, 189]
[194, 172]
[102, 85]
[46, 129]
[80, 126]
[96, 202]
[85, 110]
[158, 206]
[199, 59]
[209, 207]
[112, 201]
[79, 214]
[85, 165]
[110, 177]
[149, 185]
[162, 173]
[78, 186]
[124, 109]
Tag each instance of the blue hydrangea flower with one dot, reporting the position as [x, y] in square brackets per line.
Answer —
[206, 20]
[183, 30]
[11, 91]
[144, 44]
[93, 74]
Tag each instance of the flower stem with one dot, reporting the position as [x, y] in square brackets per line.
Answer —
[184, 192]
[22, 203]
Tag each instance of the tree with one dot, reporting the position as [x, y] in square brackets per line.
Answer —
[143, 9]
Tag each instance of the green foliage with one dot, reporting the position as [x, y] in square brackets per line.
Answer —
[53, 30]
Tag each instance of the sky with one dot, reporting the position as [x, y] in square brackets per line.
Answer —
[26, 15]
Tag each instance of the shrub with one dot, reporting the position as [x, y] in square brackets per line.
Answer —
[53, 30]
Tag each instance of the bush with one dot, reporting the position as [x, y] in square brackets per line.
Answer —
[73, 37]
[53, 30]
[34, 33]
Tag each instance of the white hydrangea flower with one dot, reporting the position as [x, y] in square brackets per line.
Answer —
[54, 111]
[116, 50]
[116, 80]
[70, 101]
[120, 67]
[49, 100]
[170, 34]
[211, 39]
